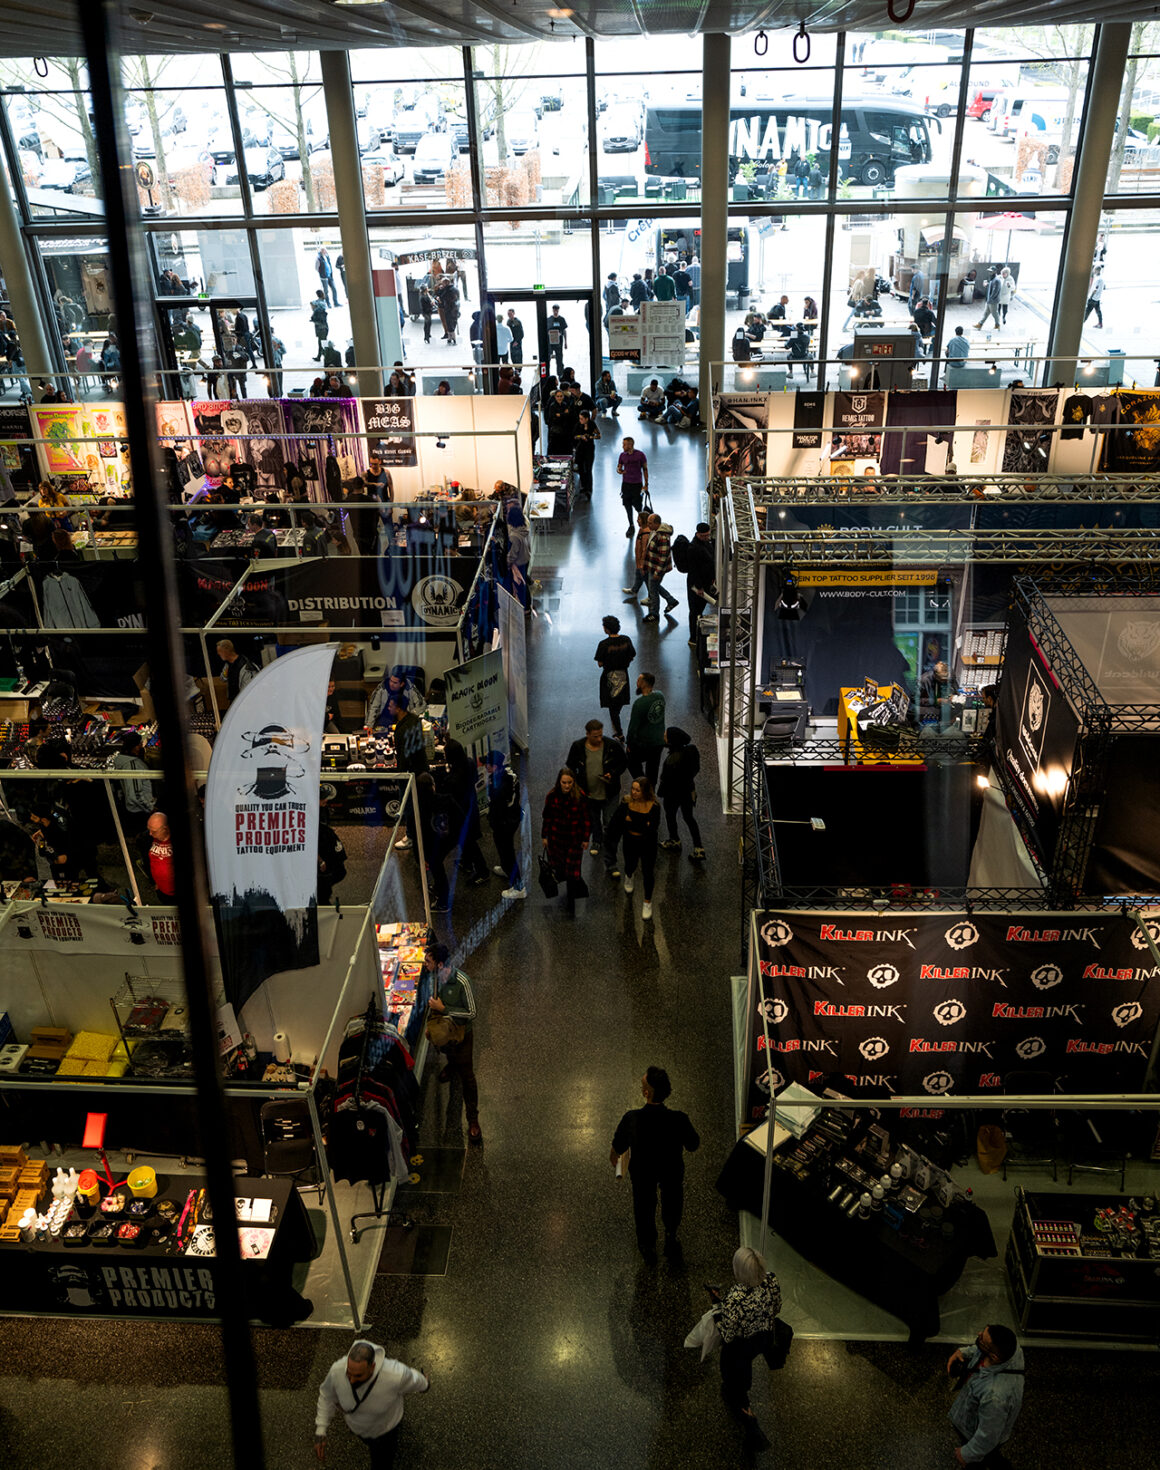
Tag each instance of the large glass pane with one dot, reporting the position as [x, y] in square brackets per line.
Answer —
[413, 64]
[773, 300]
[52, 125]
[1134, 165]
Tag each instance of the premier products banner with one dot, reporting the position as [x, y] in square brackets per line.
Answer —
[262, 822]
[938, 1004]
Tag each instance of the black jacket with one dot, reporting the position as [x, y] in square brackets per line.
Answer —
[658, 1137]
[682, 764]
[702, 566]
[615, 765]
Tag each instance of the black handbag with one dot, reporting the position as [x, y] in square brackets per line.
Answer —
[782, 1342]
[548, 880]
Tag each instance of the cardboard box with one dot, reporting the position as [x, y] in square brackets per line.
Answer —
[51, 1036]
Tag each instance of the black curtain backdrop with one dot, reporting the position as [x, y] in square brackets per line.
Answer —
[939, 1004]
[1124, 857]
[845, 634]
[919, 410]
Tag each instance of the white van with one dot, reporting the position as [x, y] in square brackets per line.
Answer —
[1009, 106]
[933, 88]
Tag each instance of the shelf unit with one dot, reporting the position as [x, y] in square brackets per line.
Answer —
[979, 655]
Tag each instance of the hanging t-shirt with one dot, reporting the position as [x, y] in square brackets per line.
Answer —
[1077, 409]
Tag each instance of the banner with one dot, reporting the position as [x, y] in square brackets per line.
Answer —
[1135, 448]
[513, 633]
[938, 1004]
[326, 445]
[1036, 734]
[395, 419]
[625, 338]
[741, 421]
[808, 417]
[859, 411]
[477, 703]
[423, 588]
[261, 822]
[92, 929]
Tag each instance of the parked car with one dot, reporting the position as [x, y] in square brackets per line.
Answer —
[620, 130]
[386, 159]
[435, 153]
[264, 166]
[69, 174]
[520, 132]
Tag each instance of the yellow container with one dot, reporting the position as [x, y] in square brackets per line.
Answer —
[143, 1183]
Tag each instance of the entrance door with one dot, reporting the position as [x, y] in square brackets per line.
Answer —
[197, 331]
[556, 347]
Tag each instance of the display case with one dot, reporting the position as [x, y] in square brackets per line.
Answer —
[1086, 1265]
[153, 1019]
[406, 984]
[980, 654]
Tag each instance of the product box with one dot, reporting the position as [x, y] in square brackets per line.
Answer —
[11, 1056]
[49, 1042]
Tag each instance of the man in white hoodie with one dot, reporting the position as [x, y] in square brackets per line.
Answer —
[369, 1388]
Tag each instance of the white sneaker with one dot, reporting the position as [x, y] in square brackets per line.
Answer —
[629, 884]
[500, 872]
[594, 849]
[514, 893]
[403, 844]
[646, 909]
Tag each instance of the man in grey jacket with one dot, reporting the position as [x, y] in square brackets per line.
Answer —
[988, 1402]
[369, 1388]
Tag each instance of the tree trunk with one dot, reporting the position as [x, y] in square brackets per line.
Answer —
[1121, 142]
[161, 170]
[73, 67]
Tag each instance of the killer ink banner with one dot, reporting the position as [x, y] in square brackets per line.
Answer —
[262, 822]
[939, 1004]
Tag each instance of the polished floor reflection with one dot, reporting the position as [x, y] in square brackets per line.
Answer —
[548, 1342]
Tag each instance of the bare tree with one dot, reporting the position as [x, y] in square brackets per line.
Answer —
[291, 70]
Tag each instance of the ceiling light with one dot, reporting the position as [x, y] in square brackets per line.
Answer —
[560, 14]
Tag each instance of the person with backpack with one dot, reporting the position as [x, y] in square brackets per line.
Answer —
[321, 323]
[698, 561]
[658, 561]
[678, 790]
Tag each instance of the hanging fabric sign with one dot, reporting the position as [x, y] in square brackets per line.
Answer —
[262, 822]
[859, 410]
[808, 409]
[394, 418]
[477, 703]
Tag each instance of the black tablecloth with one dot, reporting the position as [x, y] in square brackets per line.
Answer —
[879, 1263]
[118, 1281]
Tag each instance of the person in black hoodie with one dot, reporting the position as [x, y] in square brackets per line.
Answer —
[678, 790]
[462, 774]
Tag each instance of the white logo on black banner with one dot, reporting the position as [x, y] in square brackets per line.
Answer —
[1046, 977]
[770, 1081]
[962, 935]
[274, 751]
[1030, 1048]
[938, 1082]
[1035, 704]
[774, 1011]
[1139, 639]
[949, 1012]
[880, 976]
[776, 934]
[1153, 928]
[1130, 1011]
[874, 1048]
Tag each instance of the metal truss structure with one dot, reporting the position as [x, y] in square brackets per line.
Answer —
[1089, 559]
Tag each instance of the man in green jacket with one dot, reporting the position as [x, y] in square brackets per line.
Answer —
[646, 729]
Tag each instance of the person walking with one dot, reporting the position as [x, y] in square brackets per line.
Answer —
[557, 338]
[1006, 292]
[656, 1139]
[632, 467]
[584, 439]
[614, 655]
[678, 790]
[516, 328]
[745, 1318]
[426, 310]
[321, 323]
[564, 829]
[451, 1011]
[369, 1389]
[700, 576]
[504, 814]
[519, 555]
[646, 728]
[658, 560]
[322, 264]
[436, 823]
[990, 1396]
[1095, 297]
[643, 535]
[991, 303]
[640, 826]
[597, 763]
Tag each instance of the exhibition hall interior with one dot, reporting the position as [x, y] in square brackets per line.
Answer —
[438, 442]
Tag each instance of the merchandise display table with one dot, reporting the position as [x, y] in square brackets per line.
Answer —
[900, 1259]
[850, 704]
[157, 1280]
[1086, 1265]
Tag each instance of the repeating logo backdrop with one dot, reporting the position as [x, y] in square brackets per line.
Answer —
[931, 1004]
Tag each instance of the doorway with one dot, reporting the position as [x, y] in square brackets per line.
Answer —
[556, 347]
[197, 331]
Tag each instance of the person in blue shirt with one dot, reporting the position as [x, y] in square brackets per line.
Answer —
[990, 1397]
[958, 348]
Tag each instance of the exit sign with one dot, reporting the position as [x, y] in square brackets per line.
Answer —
[539, 287]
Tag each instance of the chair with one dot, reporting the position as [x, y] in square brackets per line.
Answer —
[1032, 1137]
[288, 1143]
[1097, 1143]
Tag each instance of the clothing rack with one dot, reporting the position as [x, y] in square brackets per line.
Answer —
[374, 1024]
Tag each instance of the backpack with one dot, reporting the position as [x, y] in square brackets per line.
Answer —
[680, 551]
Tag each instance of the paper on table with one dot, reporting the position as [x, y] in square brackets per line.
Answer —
[261, 1210]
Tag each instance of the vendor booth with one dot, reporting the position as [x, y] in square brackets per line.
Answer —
[94, 1027]
[873, 1043]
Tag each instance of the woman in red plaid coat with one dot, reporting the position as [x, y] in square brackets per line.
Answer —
[565, 827]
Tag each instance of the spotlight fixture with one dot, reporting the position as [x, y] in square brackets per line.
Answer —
[440, 443]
